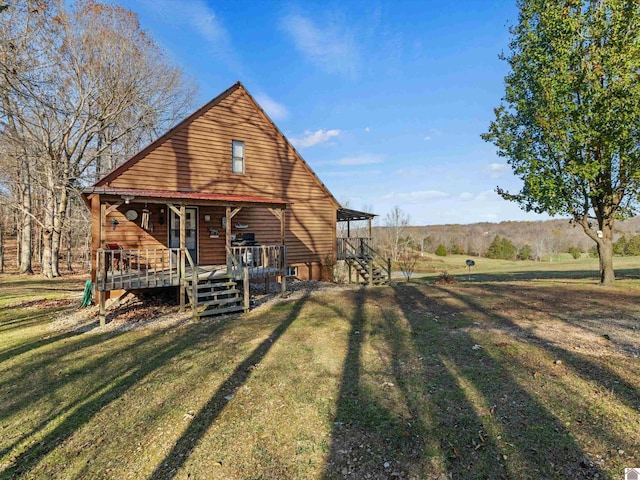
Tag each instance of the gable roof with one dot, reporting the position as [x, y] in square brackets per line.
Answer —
[104, 181]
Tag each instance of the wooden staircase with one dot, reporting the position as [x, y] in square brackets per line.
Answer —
[370, 267]
[215, 296]
[361, 265]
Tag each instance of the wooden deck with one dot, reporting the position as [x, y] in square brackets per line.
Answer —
[158, 268]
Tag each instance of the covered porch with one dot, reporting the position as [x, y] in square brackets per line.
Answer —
[145, 239]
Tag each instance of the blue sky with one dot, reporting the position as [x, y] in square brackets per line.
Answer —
[386, 100]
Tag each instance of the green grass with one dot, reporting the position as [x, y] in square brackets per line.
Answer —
[562, 266]
[483, 379]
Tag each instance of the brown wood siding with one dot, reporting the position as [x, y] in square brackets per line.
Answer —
[130, 234]
[197, 157]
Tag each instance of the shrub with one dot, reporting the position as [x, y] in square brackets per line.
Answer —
[441, 251]
[445, 279]
[575, 252]
[593, 251]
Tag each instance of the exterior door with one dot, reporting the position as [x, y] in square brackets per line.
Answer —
[191, 227]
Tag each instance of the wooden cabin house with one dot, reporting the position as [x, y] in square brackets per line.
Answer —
[221, 196]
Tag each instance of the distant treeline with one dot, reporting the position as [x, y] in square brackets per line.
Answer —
[512, 240]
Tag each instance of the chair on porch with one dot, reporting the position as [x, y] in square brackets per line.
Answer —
[120, 258]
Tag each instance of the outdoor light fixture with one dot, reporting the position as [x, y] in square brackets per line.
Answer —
[114, 222]
[127, 198]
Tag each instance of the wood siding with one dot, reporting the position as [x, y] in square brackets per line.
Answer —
[196, 156]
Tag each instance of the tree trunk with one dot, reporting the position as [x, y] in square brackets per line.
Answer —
[47, 233]
[605, 255]
[26, 242]
[1, 249]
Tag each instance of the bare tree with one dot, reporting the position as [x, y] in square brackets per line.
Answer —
[396, 224]
[84, 93]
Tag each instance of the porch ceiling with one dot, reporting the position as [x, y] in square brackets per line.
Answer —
[166, 196]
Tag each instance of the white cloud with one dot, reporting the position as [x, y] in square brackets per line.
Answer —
[349, 173]
[331, 49]
[366, 159]
[497, 170]
[314, 138]
[275, 110]
[367, 129]
[196, 15]
[427, 138]
[415, 197]
[466, 196]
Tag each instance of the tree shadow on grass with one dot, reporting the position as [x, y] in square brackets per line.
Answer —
[183, 448]
[146, 354]
[453, 410]
[598, 374]
[380, 433]
[531, 440]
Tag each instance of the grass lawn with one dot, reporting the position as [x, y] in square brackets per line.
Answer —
[492, 378]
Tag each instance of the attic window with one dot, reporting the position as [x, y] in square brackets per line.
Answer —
[237, 156]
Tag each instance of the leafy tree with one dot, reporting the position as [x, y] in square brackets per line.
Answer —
[456, 249]
[525, 252]
[575, 252]
[569, 123]
[620, 246]
[441, 251]
[501, 247]
[633, 246]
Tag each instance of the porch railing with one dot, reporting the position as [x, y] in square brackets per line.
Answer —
[138, 268]
[262, 260]
[352, 247]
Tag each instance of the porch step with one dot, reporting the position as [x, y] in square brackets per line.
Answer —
[218, 296]
[218, 292]
[221, 311]
[221, 301]
[209, 283]
[361, 265]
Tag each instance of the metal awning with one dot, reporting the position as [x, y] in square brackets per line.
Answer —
[349, 215]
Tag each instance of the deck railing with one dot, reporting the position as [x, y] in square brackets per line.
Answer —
[129, 269]
[352, 247]
[262, 260]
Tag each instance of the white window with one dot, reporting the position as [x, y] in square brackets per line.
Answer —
[292, 271]
[237, 156]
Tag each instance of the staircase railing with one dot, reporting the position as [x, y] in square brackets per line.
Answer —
[359, 248]
[379, 260]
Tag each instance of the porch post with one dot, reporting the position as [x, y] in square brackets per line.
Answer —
[283, 261]
[369, 222]
[227, 236]
[348, 228]
[183, 243]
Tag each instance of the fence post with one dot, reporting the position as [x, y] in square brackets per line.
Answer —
[370, 270]
[389, 269]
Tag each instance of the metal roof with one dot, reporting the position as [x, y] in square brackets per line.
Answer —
[347, 214]
[168, 194]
